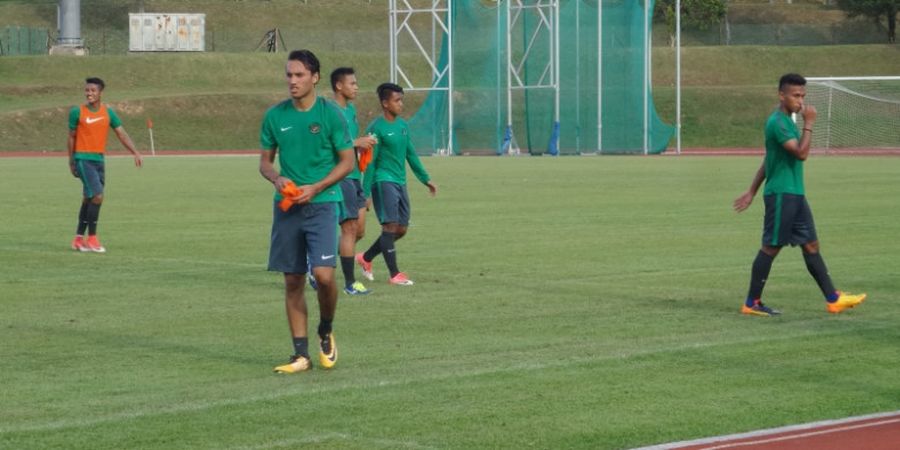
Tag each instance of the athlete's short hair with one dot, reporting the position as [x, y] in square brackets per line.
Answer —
[338, 74]
[791, 79]
[97, 81]
[386, 89]
[307, 58]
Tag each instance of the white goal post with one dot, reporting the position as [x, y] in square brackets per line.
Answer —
[860, 113]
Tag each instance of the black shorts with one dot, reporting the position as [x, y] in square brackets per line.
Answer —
[354, 199]
[391, 203]
[788, 221]
[308, 229]
[93, 176]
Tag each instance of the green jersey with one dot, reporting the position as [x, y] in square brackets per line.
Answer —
[307, 142]
[391, 153]
[353, 128]
[784, 172]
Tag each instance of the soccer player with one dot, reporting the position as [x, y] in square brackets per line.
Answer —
[314, 149]
[788, 218]
[353, 221]
[89, 126]
[385, 180]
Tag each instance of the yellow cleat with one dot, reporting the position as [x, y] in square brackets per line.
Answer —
[845, 301]
[328, 352]
[298, 364]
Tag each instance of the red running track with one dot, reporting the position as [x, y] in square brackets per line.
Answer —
[873, 432]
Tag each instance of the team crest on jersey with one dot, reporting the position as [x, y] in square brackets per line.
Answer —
[315, 128]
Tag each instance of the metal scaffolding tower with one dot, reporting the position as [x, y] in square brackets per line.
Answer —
[546, 32]
[427, 49]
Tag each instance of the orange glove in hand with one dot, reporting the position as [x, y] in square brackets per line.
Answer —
[290, 192]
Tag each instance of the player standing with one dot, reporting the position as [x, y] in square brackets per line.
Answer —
[314, 151]
[89, 126]
[385, 181]
[788, 218]
[353, 221]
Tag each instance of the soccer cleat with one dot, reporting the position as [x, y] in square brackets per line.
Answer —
[312, 281]
[366, 267]
[758, 309]
[356, 288]
[93, 245]
[79, 245]
[845, 301]
[328, 351]
[298, 364]
[401, 280]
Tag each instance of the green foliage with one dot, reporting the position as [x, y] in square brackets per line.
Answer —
[546, 313]
[694, 13]
[876, 10]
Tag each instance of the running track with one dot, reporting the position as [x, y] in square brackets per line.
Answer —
[872, 432]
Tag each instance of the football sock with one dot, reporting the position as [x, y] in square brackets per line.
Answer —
[347, 267]
[301, 346]
[758, 276]
[816, 266]
[373, 251]
[324, 327]
[92, 214]
[389, 252]
[82, 219]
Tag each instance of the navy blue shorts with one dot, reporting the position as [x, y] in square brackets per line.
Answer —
[391, 203]
[308, 229]
[354, 199]
[788, 221]
[93, 176]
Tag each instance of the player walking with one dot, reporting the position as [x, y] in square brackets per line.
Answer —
[788, 218]
[385, 180]
[89, 126]
[353, 221]
[310, 138]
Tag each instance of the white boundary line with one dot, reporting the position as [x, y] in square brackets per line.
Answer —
[786, 429]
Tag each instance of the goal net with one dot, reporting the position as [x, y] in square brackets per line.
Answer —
[859, 113]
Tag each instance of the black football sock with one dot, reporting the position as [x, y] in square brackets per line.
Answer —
[324, 327]
[301, 346]
[347, 267]
[92, 214]
[816, 266]
[82, 219]
[389, 252]
[758, 276]
[373, 251]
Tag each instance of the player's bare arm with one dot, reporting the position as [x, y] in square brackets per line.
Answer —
[70, 146]
[267, 168]
[800, 149]
[432, 188]
[126, 141]
[743, 202]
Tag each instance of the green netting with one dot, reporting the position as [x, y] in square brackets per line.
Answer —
[480, 80]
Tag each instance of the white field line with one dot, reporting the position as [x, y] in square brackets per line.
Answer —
[368, 384]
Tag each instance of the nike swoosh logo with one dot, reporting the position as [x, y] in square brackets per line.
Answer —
[285, 129]
[91, 120]
[390, 134]
[325, 258]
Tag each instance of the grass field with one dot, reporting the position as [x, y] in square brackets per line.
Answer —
[560, 303]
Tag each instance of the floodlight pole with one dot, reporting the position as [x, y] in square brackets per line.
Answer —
[678, 77]
[646, 77]
[600, 77]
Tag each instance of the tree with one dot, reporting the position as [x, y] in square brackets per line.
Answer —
[876, 10]
[694, 13]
